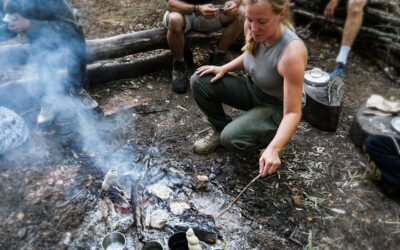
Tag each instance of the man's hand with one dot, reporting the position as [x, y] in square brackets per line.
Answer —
[20, 25]
[330, 8]
[269, 162]
[230, 8]
[208, 11]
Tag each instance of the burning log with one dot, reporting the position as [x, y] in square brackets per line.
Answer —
[135, 203]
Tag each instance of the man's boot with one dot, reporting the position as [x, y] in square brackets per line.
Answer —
[47, 114]
[180, 82]
[338, 70]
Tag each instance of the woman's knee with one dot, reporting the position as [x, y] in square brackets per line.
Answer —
[228, 140]
[197, 82]
[238, 143]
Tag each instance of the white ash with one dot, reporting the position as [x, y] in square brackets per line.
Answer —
[159, 218]
[178, 207]
[161, 191]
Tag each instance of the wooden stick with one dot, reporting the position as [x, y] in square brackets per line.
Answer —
[237, 197]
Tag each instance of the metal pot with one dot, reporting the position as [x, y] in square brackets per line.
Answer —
[316, 77]
[114, 241]
[152, 245]
[178, 241]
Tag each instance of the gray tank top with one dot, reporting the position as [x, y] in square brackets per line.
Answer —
[263, 67]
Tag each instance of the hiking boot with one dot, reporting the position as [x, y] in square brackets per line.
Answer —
[47, 114]
[82, 95]
[180, 82]
[207, 144]
[338, 70]
[216, 58]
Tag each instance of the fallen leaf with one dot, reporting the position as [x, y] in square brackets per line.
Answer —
[296, 200]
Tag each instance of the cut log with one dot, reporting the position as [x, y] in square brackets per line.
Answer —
[113, 47]
[106, 72]
[364, 125]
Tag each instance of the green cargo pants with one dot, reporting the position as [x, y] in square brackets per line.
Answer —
[253, 129]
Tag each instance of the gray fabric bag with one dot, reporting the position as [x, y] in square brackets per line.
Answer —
[13, 130]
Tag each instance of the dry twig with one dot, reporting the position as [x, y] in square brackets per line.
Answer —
[237, 197]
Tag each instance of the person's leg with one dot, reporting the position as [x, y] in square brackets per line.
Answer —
[176, 23]
[176, 34]
[76, 74]
[49, 62]
[384, 152]
[232, 90]
[355, 13]
[233, 29]
[252, 130]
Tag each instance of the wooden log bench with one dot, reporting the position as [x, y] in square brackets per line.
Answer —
[100, 50]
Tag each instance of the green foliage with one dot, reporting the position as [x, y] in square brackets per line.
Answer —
[162, 4]
[309, 247]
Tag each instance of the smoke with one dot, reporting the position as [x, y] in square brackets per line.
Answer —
[55, 64]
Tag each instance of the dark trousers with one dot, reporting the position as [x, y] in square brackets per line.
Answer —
[384, 151]
[254, 128]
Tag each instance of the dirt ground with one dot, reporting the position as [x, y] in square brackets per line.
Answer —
[339, 206]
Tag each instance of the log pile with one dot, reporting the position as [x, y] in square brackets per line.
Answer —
[116, 47]
[379, 37]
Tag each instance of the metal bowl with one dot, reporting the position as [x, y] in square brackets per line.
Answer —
[114, 241]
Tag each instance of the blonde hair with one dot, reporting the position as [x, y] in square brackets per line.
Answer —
[277, 6]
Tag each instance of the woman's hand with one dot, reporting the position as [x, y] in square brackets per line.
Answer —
[269, 162]
[20, 25]
[218, 71]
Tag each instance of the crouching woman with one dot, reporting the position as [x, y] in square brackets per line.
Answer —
[274, 59]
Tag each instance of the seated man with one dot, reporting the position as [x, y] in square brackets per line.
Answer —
[354, 18]
[384, 153]
[199, 15]
[57, 43]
